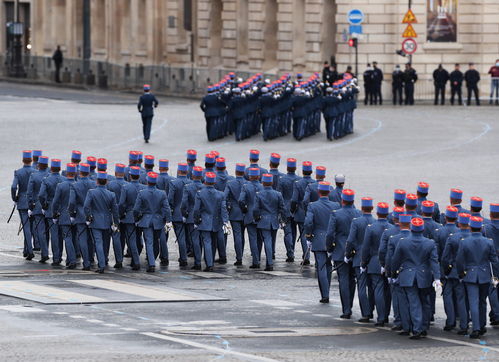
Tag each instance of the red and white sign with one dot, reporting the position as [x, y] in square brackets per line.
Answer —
[409, 46]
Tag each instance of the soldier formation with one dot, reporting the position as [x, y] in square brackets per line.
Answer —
[398, 259]
[277, 108]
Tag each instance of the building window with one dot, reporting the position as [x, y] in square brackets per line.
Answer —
[441, 21]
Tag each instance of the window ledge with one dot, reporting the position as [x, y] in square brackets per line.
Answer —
[442, 46]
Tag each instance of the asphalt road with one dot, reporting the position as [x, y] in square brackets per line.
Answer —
[257, 316]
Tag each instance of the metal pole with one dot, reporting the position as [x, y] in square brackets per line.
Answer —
[357, 59]
[86, 37]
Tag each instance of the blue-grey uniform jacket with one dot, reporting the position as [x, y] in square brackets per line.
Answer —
[232, 193]
[34, 185]
[47, 192]
[247, 200]
[151, 209]
[19, 186]
[189, 198]
[127, 200]
[475, 257]
[60, 204]
[297, 198]
[370, 246]
[175, 195]
[355, 238]
[77, 196]
[317, 221]
[210, 212]
[339, 228]
[100, 205]
[269, 209]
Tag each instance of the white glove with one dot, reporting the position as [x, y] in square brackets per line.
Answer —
[30, 213]
[362, 270]
[169, 225]
[309, 244]
[72, 219]
[184, 220]
[196, 226]
[88, 223]
[495, 282]
[437, 285]
[346, 260]
[383, 270]
[390, 280]
[43, 212]
[114, 228]
[54, 221]
[395, 280]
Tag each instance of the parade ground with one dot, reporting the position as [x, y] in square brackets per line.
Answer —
[230, 314]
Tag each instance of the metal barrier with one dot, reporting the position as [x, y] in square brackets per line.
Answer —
[181, 81]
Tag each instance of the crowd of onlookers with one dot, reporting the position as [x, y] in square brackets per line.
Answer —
[403, 83]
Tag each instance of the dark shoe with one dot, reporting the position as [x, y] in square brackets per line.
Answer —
[43, 259]
[290, 260]
[238, 263]
[396, 328]
[370, 316]
[448, 328]
[182, 263]
[386, 321]
[416, 336]
[151, 269]
[345, 316]
[462, 332]
[208, 269]
[86, 268]
[118, 266]
[164, 262]
[196, 267]
[404, 333]
[364, 320]
[269, 268]
[71, 266]
[324, 300]
[190, 254]
[127, 255]
[56, 263]
[36, 249]
[100, 271]
[147, 141]
[483, 331]
[475, 334]
[136, 267]
[494, 323]
[30, 256]
[379, 324]
[424, 333]
[273, 256]
[221, 261]
[305, 262]
[255, 266]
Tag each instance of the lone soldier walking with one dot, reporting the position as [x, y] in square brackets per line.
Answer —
[147, 102]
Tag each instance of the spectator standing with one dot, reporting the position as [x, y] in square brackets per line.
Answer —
[58, 59]
[397, 84]
[440, 78]
[456, 83]
[494, 85]
[377, 82]
[410, 77]
[472, 78]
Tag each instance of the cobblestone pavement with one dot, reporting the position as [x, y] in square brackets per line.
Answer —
[259, 316]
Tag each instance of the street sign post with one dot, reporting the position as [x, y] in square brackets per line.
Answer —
[409, 46]
[355, 17]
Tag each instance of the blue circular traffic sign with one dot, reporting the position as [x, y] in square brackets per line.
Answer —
[355, 16]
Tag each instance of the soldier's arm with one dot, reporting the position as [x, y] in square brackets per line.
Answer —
[494, 260]
[308, 225]
[29, 193]
[42, 194]
[366, 247]
[225, 214]
[137, 208]
[242, 201]
[306, 197]
[282, 210]
[13, 188]
[114, 209]
[139, 105]
[122, 202]
[383, 246]
[197, 209]
[56, 200]
[460, 261]
[396, 260]
[184, 206]
[435, 267]
[87, 206]
[72, 201]
[171, 194]
[155, 101]
[331, 232]
[166, 212]
[350, 243]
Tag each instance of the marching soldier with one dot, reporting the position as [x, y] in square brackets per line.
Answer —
[285, 187]
[101, 213]
[148, 167]
[422, 193]
[415, 264]
[222, 176]
[454, 295]
[133, 160]
[192, 155]
[311, 193]
[211, 218]
[232, 193]
[298, 209]
[316, 226]
[370, 261]
[146, 105]
[163, 183]
[253, 160]
[476, 204]
[247, 205]
[61, 215]
[127, 201]
[36, 155]
[269, 213]
[18, 192]
[188, 200]
[476, 258]
[175, 199]
[92, 162]
[77, 194]
[46, 196]
[35, 207]
[491, 230]
[337, 234]
[152, 213]
[116, 186]
[353, 247]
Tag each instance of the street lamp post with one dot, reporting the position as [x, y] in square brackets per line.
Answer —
[17, 30]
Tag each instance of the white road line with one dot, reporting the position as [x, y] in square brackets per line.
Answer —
[12, 256]
[60, 313]
[95, 321]
[129, 329]
[111, 325]
[244, 356]
[463, 343]
[77, 317]
[301, 311]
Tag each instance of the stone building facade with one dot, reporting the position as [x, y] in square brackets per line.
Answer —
[272, 36]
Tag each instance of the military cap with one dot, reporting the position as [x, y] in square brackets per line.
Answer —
[197, 171]
[476, 202]
[476, 222]
[152, 177]
[399, 195]
[348, 195]
[423, 187]
[417, 224]
[44, 160]
[84, 167]
[37, 153]
[164, 163]
[456, 194]
[366, 202]
[70, 167]
[267, 177]
[427, 206]
[382, 208]
[210, 177]
[411, 199]
[240, 167]
[320, 171]
[76, 155]
[182, 166]
[55, 162]
[463, 218]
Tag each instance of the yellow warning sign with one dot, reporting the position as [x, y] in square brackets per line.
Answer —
[409, 18]
[409, 32]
